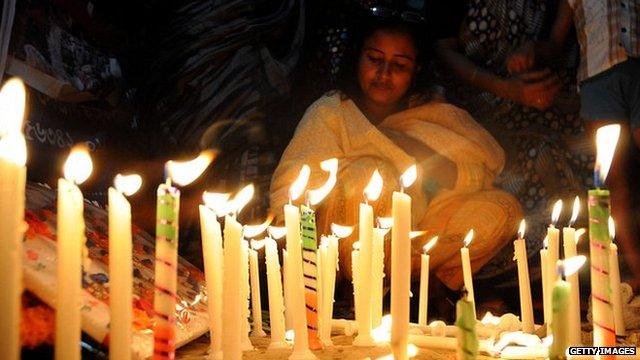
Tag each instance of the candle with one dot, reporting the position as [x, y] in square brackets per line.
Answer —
[553, 235]
[546, 289]
[294, 284]
[466, 269]
[13, 154]
[274, 284]
[71, 237]
[599, 240]
[365, 236]
[232, 290]
[424, 282]
[246, 293]
[401, 265]
[377, 270]
[288, 316]
[615, 281]
[524, 284]
[561, 295]
[120, 266]
[252, 231]
[570, 242]
[466, 322]
[212, 256]
[355, 280]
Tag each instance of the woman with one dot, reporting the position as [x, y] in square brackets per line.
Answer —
[368, 125]
[533, 115]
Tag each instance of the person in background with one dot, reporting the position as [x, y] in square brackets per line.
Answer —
[609, 78]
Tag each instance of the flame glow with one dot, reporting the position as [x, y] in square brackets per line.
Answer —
[490, 319]
[612, 228]
[289, 335]
[385, 222]
[277, 232]
[127, 184]
[415, 234]
[356, 245]
[251, 231]
[468, 238]
[521, 229]
[184, 173]
[374, 188]
[571, 265]
[257, 244]
[216, 202]
[409, 176]
[555, 214]
[13, 148]
[341, 231]
[78, 166]
[545, 241]
[298, 186]
[576, 211]
[12, 105]
[430, 244]
[412, 350]
[579, 234]
[317, 195]
[606, 141]
[241, 199]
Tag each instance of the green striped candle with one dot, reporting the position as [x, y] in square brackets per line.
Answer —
[310, 272]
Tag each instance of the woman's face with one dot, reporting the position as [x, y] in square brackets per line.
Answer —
[386, 67]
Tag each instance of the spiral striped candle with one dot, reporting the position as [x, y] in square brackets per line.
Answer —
[466, 323]
[164, 301]
[310, 272]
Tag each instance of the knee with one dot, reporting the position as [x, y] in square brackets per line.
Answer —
[498, 220]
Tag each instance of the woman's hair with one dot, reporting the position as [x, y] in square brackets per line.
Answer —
[347, 80]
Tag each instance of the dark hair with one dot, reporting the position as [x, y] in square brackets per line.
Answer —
[347, 80]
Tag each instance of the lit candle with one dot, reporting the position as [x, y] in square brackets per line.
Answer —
[274, 284]
[377, 271]
[355, 280]
[615, 281]
[466, 322]
[401, 265]
[570, 244]
[424, 282]
[251, 231]
[466, 269]
[71, 237]
[246, 293]
[561, 295]
[288, 315]
[234, 297]
[13, 156]
[215, 205]
[524, 284]
[120, 266]
[553, 235]
[599, 239]
[294, 284]
[546, 289]
[365, 237]
[166, 276]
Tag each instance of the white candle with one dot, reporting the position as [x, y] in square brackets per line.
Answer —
[570, 242]
[424, 282]
[288, 312]
[246, 294]
[71, 237]
[524, 284]
[256, 304]
[546, 290]
[553, 234]
[13, 153]
[355, 280]
[401, 266]
[377, 275]
[232, 302]
[614, 275]
[276, 305]
[466, 270]
[121, 266]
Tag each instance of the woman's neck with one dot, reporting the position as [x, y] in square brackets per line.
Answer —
[375, 113]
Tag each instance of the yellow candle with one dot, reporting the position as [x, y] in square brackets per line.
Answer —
[524, 284]
[377, 275]
[71, 237]
[232, 301]
[274, 284]
[246, 294]
[466, 270]
[424, 282]
[546, 290]
[120, 266]
[553, 236]
[401, 266]
[13, 172]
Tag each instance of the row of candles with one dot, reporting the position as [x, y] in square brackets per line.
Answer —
[309, 267]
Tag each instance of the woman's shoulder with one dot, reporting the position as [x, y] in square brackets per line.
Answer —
[326, 108]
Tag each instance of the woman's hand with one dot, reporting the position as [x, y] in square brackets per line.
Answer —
[536, 89]
[521, 60]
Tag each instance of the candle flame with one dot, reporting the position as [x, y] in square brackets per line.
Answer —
[12, 105]
[468, 238]
[317, 195]
[241, 199]
[277, 232]
[217, 202]
[612, 228]
[412, 350]
[576, 211]
[579, 234]
[606, 141]
[380, 335]
[386, 322]
[341, 231]
[356, 245]
[571, 265]
[409, 176]
[545, 241]
[251, 231]
[289, 335]
[415, 234]
[521, 229]
[257, 244]
[374, 188]
[78, 166]
[184, 173]
[430, 244]
[385, 222]
[555, 214]
[298, 186]
[13, 148]
[127, 184]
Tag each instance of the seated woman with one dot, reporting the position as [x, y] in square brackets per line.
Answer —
[368, 125]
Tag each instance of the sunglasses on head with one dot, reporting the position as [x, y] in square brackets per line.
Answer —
[409, 16]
